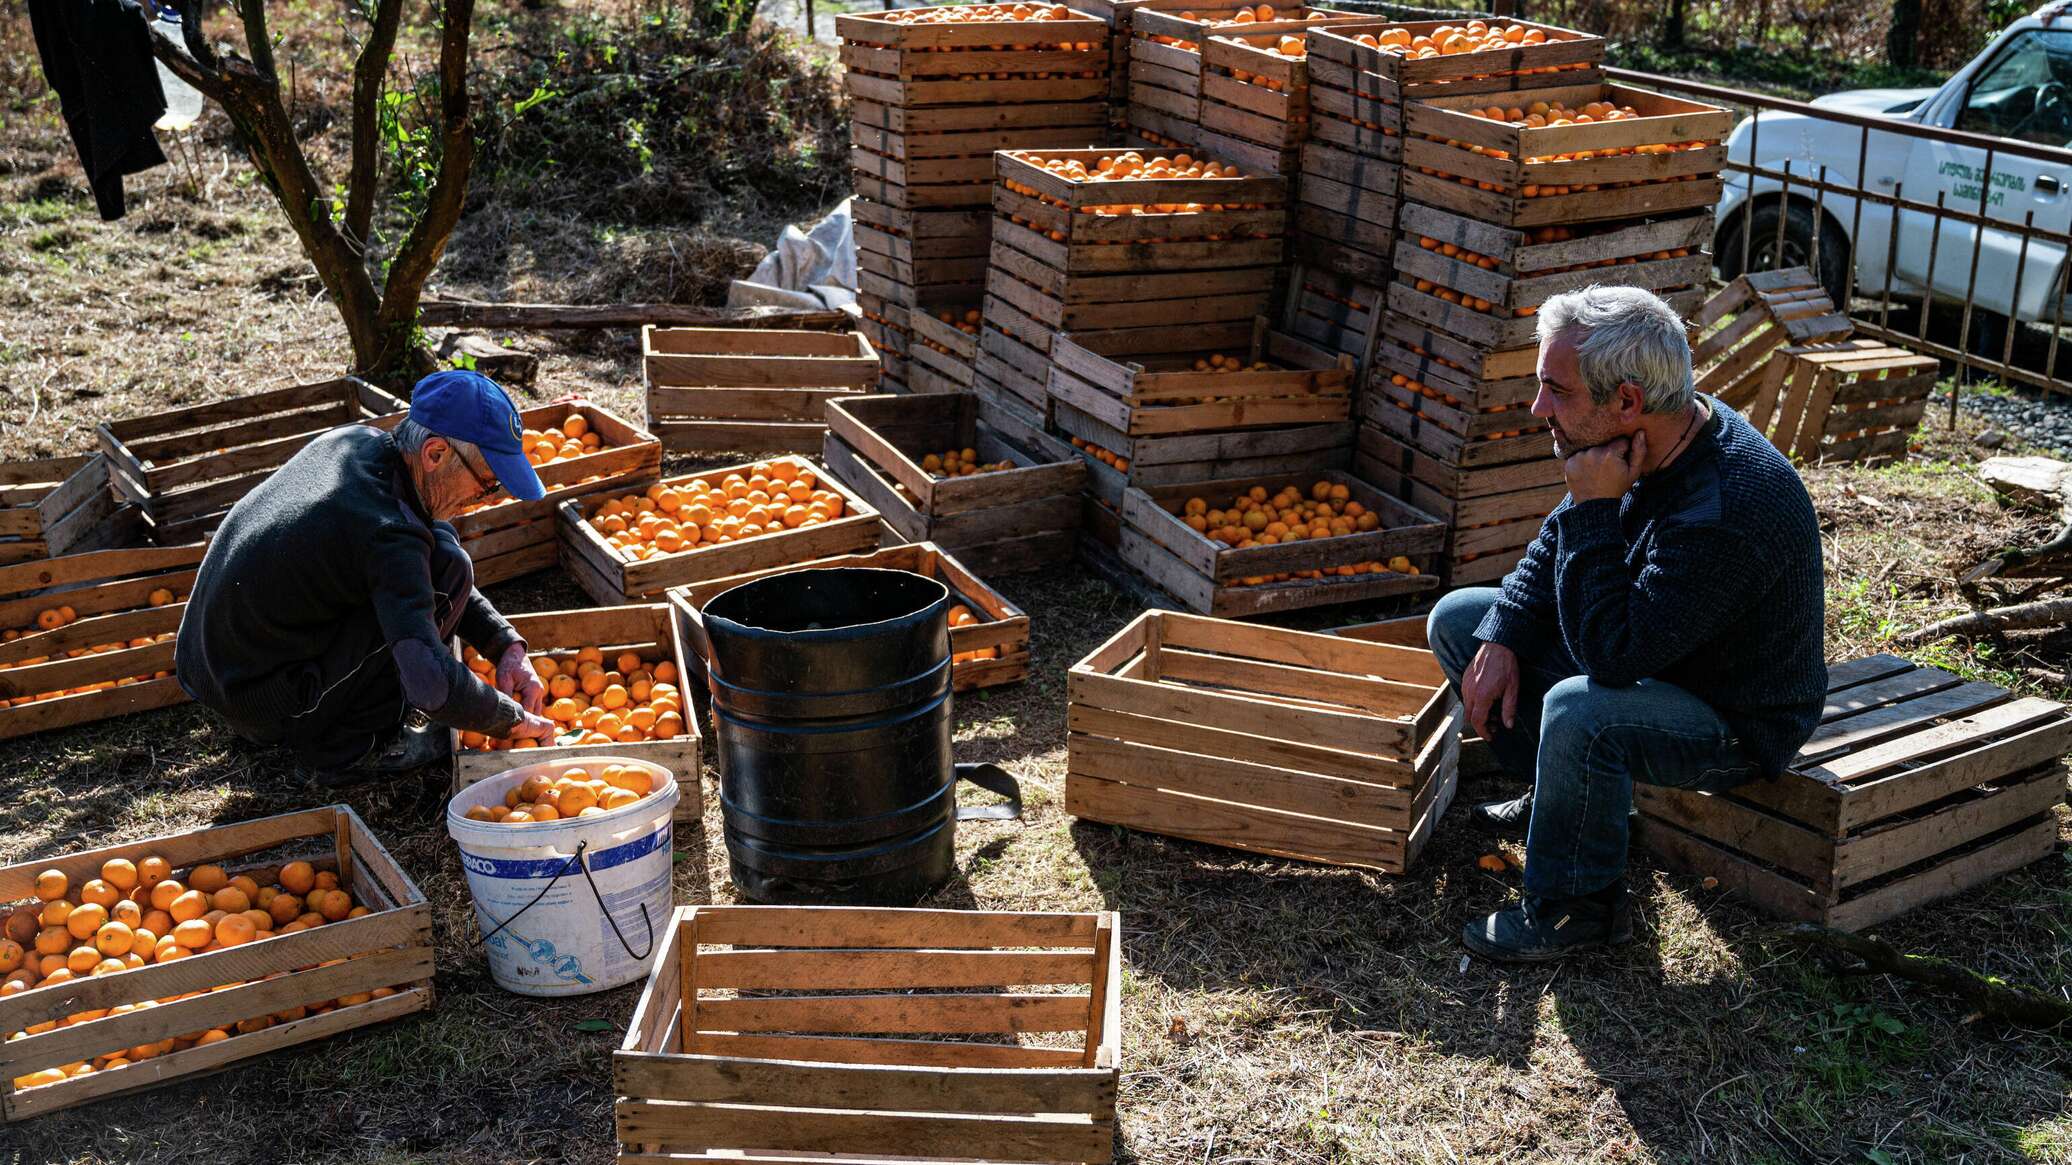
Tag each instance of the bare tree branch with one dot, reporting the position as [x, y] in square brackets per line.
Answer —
[421, 249]
[258, 41]
[183, 62]
[1990, 996]
[368, 74]
[2020, 617]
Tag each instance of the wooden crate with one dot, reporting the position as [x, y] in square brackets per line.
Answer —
[1332, 312]
[1002, 627]
[1116, 14]
[715, 1067]
[888, 327]
[1013, 355]
[1678, 282]
[928, 158]
[944, 351]
[1492, 512]
[187, 466]
[648, 629]
[1255, 102]
[999, 523]
[749, 390]
[608, 577]
[388, 948]
[1738, 329]
[1144, 384]
[110, 593]
[1401, 361]
[510, 538]
[1501, 186]
[61, 505]
[1211, 578]
[1567, 57]
[1257, 738]
[1849, 400]
[1345, 216]
[1917, 785]
[891, 59]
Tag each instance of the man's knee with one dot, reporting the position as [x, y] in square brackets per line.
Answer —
[1450, 629]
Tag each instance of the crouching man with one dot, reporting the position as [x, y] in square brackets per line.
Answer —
[321, 614]
[1664, 627]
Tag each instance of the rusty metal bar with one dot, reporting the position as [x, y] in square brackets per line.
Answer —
[1934, 241]
[1863, 150]
[1891, 260]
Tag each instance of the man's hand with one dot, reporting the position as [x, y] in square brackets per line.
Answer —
[516, 679]
[1607, 470]
[531, 727]
[1490, 682]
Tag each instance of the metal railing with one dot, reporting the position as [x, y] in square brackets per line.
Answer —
[1836, 192]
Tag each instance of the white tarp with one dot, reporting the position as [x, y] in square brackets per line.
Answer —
[813, 269]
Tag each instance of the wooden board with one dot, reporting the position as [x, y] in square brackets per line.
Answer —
[703, 1076]
[1283, 742]
[61, 505]
[390, 947]
[749, 390]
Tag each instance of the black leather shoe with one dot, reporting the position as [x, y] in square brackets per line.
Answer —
[1538, 930]
[1504, 818]
[417, 743]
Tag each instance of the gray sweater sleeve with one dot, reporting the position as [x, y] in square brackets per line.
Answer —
[399, 576]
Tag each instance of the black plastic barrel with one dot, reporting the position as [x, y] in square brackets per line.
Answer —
[831, 699]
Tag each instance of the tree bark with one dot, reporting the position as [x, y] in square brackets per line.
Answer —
[369, 70]
[1903, 35]
[2020, 617]
[1673, 26]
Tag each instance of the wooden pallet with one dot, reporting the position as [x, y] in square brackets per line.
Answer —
[1257, 738]
[1212, 578]
[1755, 314]
[185, 467]
[388, 948]
[647, 629]
[510, 538]
[109, 592]
[1917, 785]
[1440, 170]
[1002, 628]
[62, 505]
[1846, 400]
[714, 1068]
[611, 578]
[1001, 522]
[749, 390]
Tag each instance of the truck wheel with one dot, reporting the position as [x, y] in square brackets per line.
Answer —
[1799, 225]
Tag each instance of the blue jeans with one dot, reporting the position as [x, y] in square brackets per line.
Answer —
[1583, 744]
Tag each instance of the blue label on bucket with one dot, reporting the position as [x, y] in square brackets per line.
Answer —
[603, 859]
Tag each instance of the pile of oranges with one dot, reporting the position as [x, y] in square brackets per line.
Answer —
[1111, 460]
[683, 516]
[966, 323]
[137, 914]
[572, 439]
[1132, 166]
[960, 463]
[961, 616]
[53, 618]
[1255, 518]
[575, 793]
[1249, 14]
[1291, 48]
[988, 14]
[625, 702]
[1488, 263]
[1475, 36]
[976, 14]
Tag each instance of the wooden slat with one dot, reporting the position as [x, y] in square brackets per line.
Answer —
[1002, 1013]
[913, 1053]
[857, 969]
[863, 1086]
[1033, 1138]
[816, 926]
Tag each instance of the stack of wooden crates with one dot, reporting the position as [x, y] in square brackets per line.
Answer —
[931, 98]
[1497, 217]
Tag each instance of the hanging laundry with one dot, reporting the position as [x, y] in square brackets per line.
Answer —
[97, 57]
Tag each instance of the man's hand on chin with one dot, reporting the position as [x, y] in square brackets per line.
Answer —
[1607, 470]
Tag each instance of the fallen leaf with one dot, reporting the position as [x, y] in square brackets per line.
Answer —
[1178, 1029]
[1710, 883]
[1494, 863]
[593, 1025]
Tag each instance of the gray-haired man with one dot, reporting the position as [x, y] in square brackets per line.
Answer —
[1664, 627]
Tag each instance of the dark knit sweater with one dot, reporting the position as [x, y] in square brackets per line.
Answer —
[333, 549]
[1706, 574]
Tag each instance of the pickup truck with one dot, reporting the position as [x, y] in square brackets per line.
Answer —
[2019, 88]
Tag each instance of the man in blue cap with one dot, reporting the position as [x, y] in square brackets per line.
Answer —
[321, 614]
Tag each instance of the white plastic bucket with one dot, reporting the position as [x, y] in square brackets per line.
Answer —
[548, 932]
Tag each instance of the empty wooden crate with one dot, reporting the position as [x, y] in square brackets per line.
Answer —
[1739, 327]
[1917, 785]
[1848, 400]
[1019, 513]
[1257, 738]
[187, 466]
[783, 1033]
[61, 505]
[268, 994]
[991, 649]
[749, 390]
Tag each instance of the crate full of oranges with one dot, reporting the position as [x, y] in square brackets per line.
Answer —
[143, 963]
[1250, 546]
[613, 680]
[1398, 61]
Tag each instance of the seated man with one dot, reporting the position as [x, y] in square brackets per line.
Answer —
[1665, 626]
[323, 608]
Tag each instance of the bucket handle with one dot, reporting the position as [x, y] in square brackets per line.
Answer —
[993, 779]
[576, 860]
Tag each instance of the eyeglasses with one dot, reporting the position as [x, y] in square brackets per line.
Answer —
[485, 478]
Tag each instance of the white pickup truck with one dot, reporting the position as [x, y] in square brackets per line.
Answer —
[2019, 89]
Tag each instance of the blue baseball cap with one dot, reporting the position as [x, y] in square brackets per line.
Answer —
[468, 406]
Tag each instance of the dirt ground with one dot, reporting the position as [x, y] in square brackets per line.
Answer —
[1275, 1012]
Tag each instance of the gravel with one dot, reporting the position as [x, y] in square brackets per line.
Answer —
[2040, 420]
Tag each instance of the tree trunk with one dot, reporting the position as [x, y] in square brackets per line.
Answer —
[1673, 27]
[1903, 36]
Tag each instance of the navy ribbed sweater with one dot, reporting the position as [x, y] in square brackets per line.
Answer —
[1706, 574]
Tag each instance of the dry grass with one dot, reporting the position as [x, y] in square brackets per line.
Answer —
[1275, 1012]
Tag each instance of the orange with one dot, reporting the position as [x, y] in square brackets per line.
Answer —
[336, 904]
[230, 900]
[298, 877]
[84, 920]
[51, 885]
[188, 906]
[194, 934]
[613, 697]
[11, 956]
[53, 940]
[235, 930]
[285, 908]
[83, 960]
[120, 873]
[164, 892]
[207, 878]
[151, 871]
[114, 939]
